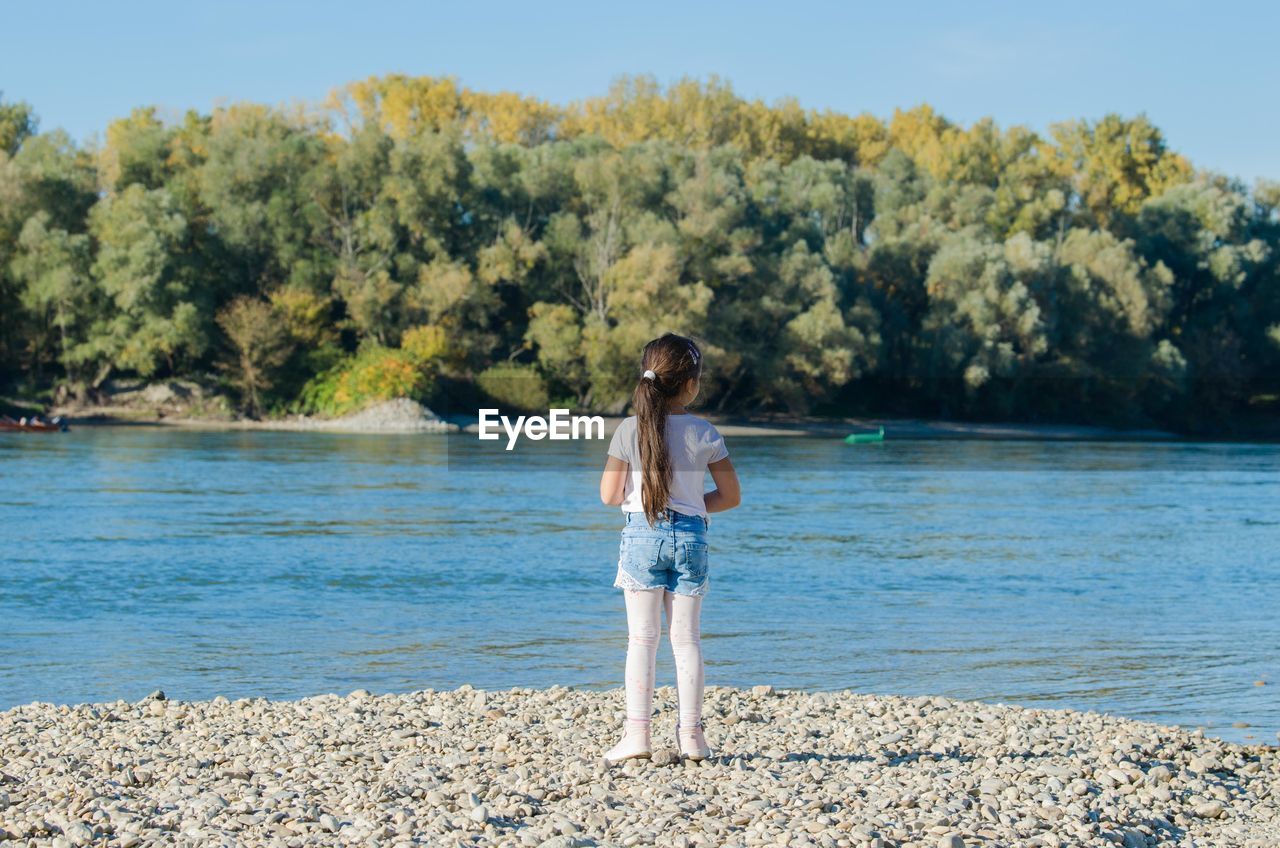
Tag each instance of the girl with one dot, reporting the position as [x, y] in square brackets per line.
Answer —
[656, 468]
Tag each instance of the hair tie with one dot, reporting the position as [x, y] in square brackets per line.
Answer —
[648, 375]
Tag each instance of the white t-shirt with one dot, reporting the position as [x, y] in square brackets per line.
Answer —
[693, 444]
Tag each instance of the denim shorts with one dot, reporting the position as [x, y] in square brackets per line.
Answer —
[671, 555]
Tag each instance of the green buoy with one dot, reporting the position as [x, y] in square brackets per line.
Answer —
[864, 438]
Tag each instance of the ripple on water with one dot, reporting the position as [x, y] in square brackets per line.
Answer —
[1122, 577]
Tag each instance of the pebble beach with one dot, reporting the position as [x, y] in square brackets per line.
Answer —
[522, 767]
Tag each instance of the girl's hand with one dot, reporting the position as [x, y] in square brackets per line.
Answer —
[613, 481]
[728, 492]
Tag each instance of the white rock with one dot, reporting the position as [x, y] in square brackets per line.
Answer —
[1209, 809]
[78, 833]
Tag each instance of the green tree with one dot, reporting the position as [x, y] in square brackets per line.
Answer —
[17, 124]
[155, 318]
[53, 267]
[983, 322]
[417, 229]
[136, 151]
[253, 175]
[49, 180]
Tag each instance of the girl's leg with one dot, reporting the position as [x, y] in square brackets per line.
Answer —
[644, 611]
[684, 613]
[644, 623]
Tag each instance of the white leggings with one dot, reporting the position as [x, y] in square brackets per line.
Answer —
[644, 623]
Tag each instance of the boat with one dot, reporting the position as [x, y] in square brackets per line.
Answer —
[56, 425]
[864, 438]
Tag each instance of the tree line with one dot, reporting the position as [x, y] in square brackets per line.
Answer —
[411, 236]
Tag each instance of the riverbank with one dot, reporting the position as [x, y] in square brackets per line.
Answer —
[521, 767]
[405, 416]
[392, 417]
[192, 405]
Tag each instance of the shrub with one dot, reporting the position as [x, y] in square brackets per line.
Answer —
[520, 387]
[374, 374]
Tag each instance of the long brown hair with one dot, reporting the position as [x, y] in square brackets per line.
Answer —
[674, 361]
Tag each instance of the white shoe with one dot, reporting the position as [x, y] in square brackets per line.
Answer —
[691, 742]
[635, 745]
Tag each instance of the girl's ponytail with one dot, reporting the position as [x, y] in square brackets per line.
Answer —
[669, 363]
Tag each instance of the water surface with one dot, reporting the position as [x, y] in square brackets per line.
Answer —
[1138, 579]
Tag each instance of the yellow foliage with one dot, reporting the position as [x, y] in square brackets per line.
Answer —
[401, 105]
[1115, 163]
[509, 118]
[404, 106]
[380, 375]
[305, 315]
[923, 135]
[864, 138]
[425, 344]
[695, 113]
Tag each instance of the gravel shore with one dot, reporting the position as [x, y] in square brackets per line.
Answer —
[393, 416]
[522, 767]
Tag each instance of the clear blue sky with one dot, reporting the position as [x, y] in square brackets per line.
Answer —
[1206, 73]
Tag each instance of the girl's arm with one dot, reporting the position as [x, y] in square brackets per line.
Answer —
[727, 493]
[613, 480]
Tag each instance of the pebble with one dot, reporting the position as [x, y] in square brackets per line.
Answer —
[1209, 809]
[78, 834]
[520, 768]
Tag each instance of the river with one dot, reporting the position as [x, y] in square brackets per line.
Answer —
[1137, 579]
